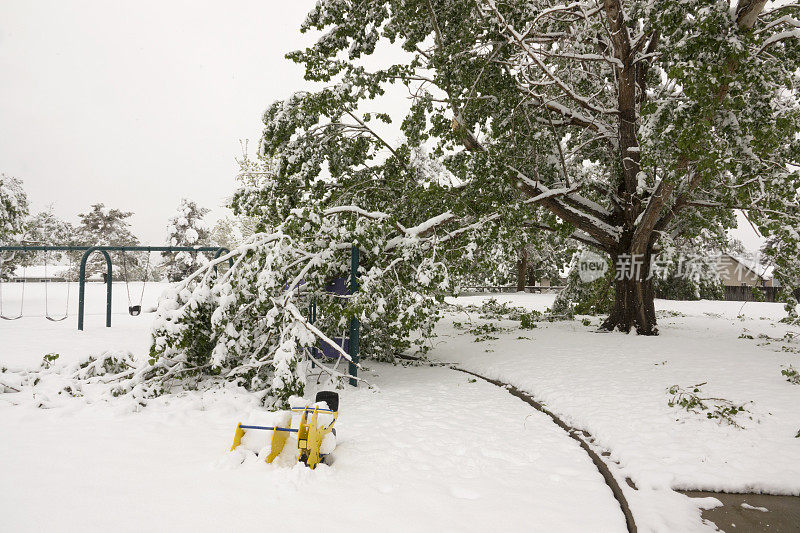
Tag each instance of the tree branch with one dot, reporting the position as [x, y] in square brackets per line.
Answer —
[649, 217]
[747, 12]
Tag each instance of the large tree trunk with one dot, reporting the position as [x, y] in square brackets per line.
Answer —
[634, 305]
[522, 269]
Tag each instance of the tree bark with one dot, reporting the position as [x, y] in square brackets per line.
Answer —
[522, 269]
[634, 301]
[532, 276]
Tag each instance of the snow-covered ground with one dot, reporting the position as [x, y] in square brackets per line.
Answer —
[427, 449]
[26, 340]
[615, 387]
[429, 452]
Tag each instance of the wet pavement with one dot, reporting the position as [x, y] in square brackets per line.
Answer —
[752, 512]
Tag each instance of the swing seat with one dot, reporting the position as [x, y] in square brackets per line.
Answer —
[310, 432]
[135, 310]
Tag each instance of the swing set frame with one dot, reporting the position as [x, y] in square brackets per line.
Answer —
[89, 250]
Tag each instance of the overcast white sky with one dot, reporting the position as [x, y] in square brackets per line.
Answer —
[137, 104]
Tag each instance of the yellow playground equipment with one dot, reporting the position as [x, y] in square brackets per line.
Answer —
[310, 433]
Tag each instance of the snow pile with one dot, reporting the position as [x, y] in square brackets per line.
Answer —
[258, 441]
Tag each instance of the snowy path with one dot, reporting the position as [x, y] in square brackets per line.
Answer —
[428, 451]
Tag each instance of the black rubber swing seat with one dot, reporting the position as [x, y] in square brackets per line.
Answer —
[135, 310]
[329, 397]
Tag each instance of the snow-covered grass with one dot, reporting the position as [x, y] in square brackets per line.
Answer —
[427, 449]
[430, 452]
[615, 386]
[26, 340]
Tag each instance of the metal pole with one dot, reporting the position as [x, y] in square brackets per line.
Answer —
[354, 324]
[221, 250]
[82, 287]
[312, 318]
[109, 273]
[82, 284]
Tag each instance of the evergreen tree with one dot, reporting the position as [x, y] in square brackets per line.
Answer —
[103, 226]
[13, 211]
[186, 228]
[784, 255]
[13, 208]
[45, 228]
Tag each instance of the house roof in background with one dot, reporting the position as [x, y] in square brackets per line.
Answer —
[40, 271]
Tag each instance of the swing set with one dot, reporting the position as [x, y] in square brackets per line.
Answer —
[312, 430]
[134, 309]
[46, 279]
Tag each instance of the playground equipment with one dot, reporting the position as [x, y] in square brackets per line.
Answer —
[88, 251]
[47, 314]
[311, 431]
[21, 301]
[350, 344]
[134, 310]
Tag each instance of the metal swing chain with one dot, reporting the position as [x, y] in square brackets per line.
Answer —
[46, 291]
[144, 283]
[2, 262]
[22, 296]
[47, 297]
[46, 286]
[125, 275]
[69, 273]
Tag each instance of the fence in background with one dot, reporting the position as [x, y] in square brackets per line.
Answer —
[511, 288]
[742, 293]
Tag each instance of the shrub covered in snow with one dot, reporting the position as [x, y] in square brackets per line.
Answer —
[720, 409]
[791, 374]
[585, 298]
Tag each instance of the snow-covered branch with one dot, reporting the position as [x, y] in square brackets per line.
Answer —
[518, 39]
[778, 37]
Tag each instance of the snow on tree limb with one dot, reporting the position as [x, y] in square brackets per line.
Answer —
[651, 108]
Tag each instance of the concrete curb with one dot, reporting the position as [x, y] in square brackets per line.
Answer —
[577, 435]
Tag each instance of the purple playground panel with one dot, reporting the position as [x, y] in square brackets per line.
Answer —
[338, 286]
[328, 351]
